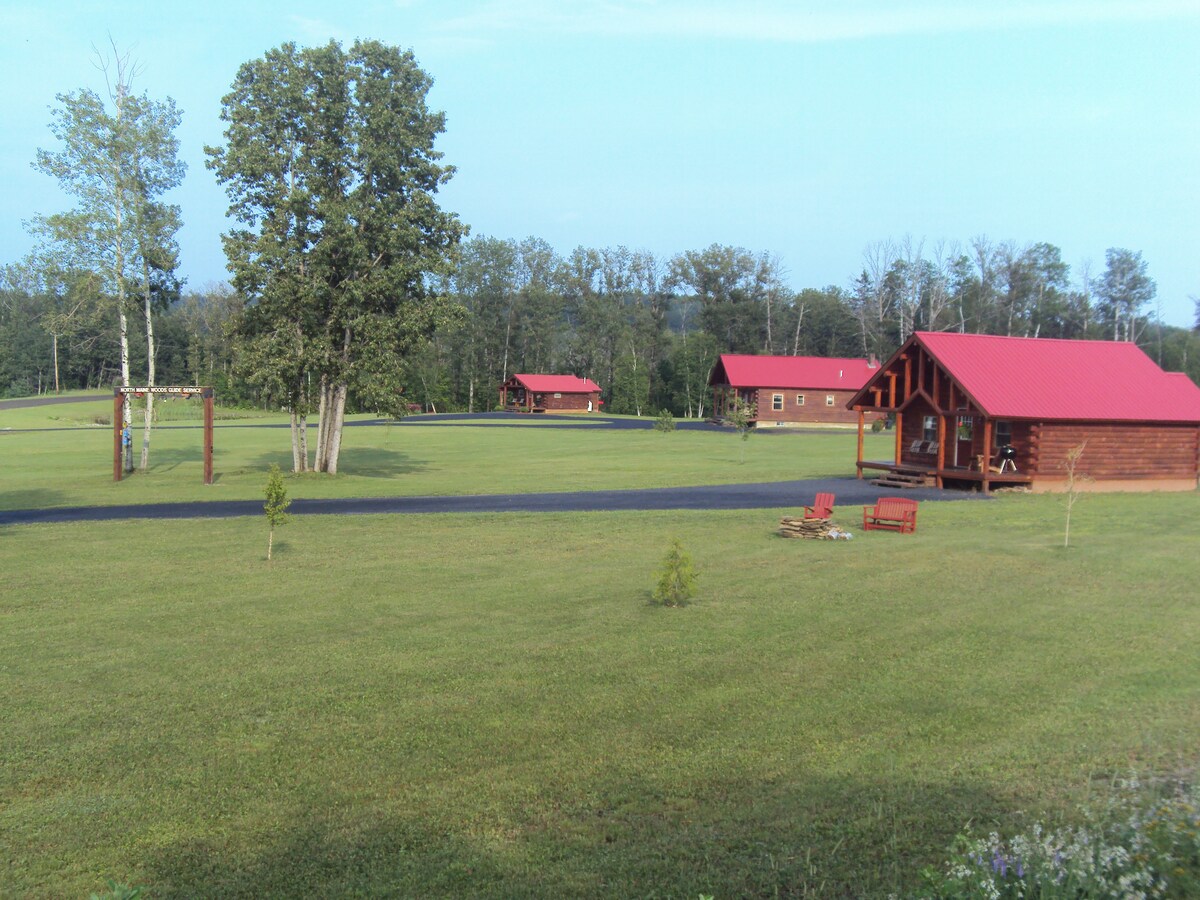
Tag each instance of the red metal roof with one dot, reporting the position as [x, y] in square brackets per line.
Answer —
[1044, 378]
[557, 384]
[816, 372]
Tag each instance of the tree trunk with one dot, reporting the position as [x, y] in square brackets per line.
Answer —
[151, 351]
[304, 443]
[335, 432]
[54, 340]
[295, 448]
[322, 426]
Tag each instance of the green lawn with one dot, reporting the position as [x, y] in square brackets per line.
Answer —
[74, 465]
[445, 706]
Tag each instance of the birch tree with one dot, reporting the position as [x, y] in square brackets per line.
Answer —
[117, 157]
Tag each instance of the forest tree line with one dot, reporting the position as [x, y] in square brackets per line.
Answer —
[647, 329]
[351, 290]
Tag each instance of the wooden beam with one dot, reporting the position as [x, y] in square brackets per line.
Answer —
[899, 435]
[892, 389]
[118, 412]
[208, 435]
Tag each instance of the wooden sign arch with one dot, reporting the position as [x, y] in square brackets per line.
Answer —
[174, 391]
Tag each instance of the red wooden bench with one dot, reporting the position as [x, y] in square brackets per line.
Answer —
[822, 507]
[891, 514]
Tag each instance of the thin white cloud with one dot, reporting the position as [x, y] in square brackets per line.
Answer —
[809, 22]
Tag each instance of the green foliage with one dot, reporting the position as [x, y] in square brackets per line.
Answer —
[877, 426]
[276, 505]
[1141, 842]
[118, 891]
[340, 245]
[665, 421]
[677, 578]
[740, 415]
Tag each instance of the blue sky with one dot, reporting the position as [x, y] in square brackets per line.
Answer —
[807, 130]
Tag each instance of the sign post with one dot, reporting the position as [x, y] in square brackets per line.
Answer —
[173, 391]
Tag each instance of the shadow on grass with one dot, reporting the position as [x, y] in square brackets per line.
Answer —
[616, 838]
[166, 459]
[366, 462]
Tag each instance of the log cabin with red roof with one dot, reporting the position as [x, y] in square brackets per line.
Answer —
[789, 390]
[550, 393]
[980, 411]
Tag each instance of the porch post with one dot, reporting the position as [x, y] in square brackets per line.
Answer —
[987, 452]
[899, 435]
[861, 417]
[941, 453]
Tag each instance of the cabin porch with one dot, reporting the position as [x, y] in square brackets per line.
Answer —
[914, 475]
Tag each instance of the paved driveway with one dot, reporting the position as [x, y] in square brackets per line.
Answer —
[768, 495]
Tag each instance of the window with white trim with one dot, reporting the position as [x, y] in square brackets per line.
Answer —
[799, 399]
[829, 399]
[777, 402]
[929, 429]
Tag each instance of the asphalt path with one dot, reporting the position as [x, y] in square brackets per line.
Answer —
[27, 402]
[768, 495]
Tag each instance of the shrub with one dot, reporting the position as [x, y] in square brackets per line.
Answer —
[1139, 844]
[118, 892]
[665, 421]
[677, 578]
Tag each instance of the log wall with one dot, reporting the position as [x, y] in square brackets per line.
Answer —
[568, 402]
[815, 409]
[1118, 451]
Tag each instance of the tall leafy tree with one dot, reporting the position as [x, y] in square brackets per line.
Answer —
[732, 286]
[1124, 289]
[330, 167]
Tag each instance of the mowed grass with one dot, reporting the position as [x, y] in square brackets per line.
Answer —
[445, 706]
[73, 466]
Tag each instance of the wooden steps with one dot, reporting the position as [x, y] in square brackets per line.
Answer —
[903, 479]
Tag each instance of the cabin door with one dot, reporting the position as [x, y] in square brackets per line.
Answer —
[964, 440]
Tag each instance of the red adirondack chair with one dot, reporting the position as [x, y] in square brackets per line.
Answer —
[822, 507]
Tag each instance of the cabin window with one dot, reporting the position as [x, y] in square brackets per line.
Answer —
[829, 399]
[1003, 434]
[558, 396]
[929, 429]
[777, 402]
[799, 399]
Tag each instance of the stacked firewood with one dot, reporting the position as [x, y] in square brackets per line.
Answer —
[812, 529]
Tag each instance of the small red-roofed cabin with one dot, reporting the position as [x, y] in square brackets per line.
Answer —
[789, 390]
[977, 410]
[550, 393]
